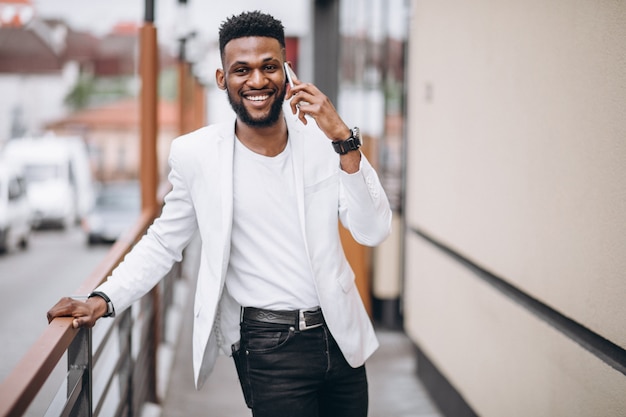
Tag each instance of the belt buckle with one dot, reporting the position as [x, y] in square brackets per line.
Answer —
[302, 321]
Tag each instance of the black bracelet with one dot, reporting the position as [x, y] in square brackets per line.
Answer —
[110, 310]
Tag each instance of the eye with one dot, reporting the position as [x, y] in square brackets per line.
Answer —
[240, 70]
[271, 67]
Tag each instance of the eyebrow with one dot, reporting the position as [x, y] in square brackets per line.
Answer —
[268, 59]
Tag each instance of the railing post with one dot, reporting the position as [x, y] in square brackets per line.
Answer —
[127, 370]
[79, 375]
[149, 174]
[148, 67]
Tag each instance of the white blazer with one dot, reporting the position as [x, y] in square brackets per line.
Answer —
[201, 199]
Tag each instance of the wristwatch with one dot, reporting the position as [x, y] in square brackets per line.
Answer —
[353, 143]
[110, 310]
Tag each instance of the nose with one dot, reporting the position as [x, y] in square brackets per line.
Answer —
[257, 79]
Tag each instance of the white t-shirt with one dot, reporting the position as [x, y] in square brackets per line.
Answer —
[269, 267]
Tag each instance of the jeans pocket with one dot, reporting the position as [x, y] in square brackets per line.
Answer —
[241, 364]
[265, 340]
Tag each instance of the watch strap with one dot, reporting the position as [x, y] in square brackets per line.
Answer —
[353, 143]
[110, 310]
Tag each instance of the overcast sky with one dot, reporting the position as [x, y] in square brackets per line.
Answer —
[204, 16]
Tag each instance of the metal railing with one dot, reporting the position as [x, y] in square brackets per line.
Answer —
[112, 368]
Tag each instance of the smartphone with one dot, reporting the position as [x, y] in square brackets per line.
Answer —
[290, 74]
[290, 77]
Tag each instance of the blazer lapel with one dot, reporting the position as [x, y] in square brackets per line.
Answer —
[226, 146]
[297, 138]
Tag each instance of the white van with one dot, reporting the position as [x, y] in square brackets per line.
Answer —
[15, 212]
[58, 177]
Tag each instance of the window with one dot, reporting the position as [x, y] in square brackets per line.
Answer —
[16, 189]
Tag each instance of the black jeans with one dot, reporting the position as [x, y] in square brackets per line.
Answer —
[289, 373]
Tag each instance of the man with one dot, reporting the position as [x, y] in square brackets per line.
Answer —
[265, 192]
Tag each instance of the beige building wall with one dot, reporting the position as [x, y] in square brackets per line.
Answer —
[517, 162]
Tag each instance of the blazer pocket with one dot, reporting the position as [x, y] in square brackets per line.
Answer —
[321, 185]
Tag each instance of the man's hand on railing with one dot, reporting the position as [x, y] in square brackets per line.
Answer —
[85, 313]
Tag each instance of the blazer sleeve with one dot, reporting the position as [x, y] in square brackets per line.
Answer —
[155, 254]
[363, 205]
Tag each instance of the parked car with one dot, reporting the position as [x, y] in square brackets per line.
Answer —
[15, 211]
[116, 209]
[58, 176]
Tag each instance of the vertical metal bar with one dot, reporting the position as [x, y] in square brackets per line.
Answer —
[127, 371]
[149, 11]
[326, 47]
[80, 368]
[156, 340]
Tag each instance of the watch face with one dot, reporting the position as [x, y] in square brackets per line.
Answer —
[356, 134]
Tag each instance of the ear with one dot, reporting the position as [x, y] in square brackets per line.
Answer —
[220, 79]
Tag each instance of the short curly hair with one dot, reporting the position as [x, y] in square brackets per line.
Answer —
[255, 23]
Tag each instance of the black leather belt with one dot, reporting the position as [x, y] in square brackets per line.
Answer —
[300, 319]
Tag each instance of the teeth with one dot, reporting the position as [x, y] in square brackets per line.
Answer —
[257, 98]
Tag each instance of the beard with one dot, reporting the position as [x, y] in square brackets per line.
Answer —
[268, 120]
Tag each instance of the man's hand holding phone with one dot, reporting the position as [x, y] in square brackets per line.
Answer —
[308, 100]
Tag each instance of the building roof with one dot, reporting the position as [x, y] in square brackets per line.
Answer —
[15, 13]
[30, 45]
[123, 114]
[26, 51]
[81, 46]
